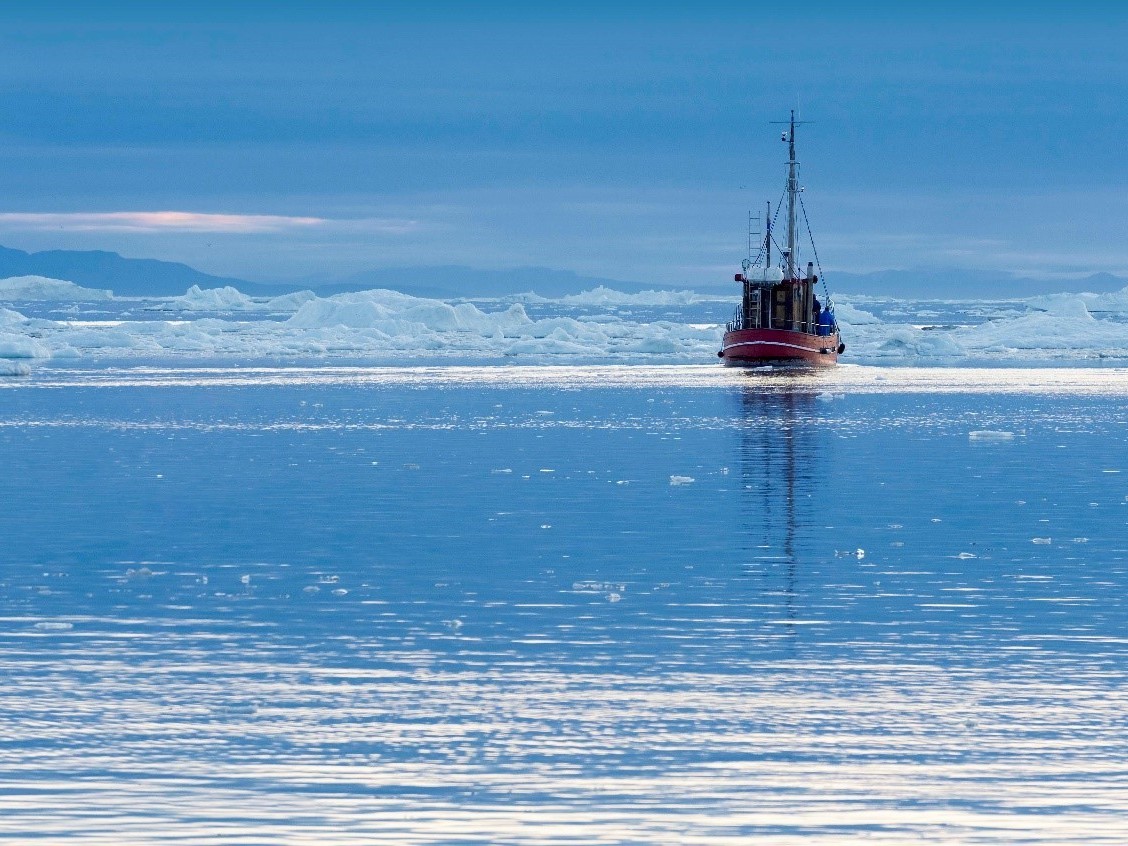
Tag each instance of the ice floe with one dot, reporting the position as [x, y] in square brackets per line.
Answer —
[393, 314]
[211, 299]
[609, 296]
[17, 343]
[30, 288]
[390, 326]
[990, 435]
[228, 299]
[1042, 328]
[21, 346]
[849, 315]
[8, 317]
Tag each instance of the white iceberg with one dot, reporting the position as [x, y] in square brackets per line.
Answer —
[397, 314]
[1065, 329]
[8, 367]
[211, 299]
[1114, 302]
[289, 302]
[390, 326]
[849, 315]
[21, 346]
[44, 288]
[8, 317]
[1061, 326]
[990, 435]
[609, 296]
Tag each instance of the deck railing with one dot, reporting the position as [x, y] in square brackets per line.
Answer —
[739, 321]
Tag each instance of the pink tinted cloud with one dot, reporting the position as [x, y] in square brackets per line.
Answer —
[179, 221]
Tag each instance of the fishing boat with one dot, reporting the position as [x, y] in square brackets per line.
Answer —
[780, 318]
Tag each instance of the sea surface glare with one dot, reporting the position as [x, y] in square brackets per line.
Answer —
[564, 605]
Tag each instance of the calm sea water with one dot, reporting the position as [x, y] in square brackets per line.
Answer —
[564, 605]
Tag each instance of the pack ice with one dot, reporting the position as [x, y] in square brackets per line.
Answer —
[389, 326]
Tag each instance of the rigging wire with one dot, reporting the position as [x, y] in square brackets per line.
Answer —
[775, 217]
[814, 249]
[772, 228]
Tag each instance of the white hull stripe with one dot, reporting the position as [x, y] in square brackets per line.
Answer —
[818, 350]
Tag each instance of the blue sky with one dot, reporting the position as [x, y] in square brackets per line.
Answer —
[287, 140]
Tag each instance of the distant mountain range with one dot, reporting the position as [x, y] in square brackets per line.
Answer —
[455, 281]
[126, 277]
[964, 284]
[129, 277]
[150, 277]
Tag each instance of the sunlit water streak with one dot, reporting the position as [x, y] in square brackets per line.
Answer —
[564, 605]
[1107, 381]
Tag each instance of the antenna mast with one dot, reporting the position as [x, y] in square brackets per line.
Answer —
[768, 240]
[792, 198]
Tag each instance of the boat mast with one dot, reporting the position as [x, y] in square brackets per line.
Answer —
[792, 198]
[768, 240]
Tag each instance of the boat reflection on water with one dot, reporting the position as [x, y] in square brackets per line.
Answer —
[782, 463]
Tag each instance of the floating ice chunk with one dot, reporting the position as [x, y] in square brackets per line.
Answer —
[848, 315]
[990, 435]
[1068, 329]
[13, 368]
[289, 302]
[614, 597]
[908, 341]
[1063, 305]
[212, 299]
[26, 288]
[11, 318]
[398, 314]
[609, 296]
[592, 586]
[682, 480]
[21, 346]
[110, 338]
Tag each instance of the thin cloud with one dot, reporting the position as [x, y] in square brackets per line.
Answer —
[179, 221]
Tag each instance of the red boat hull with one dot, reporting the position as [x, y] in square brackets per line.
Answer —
[744, 347]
